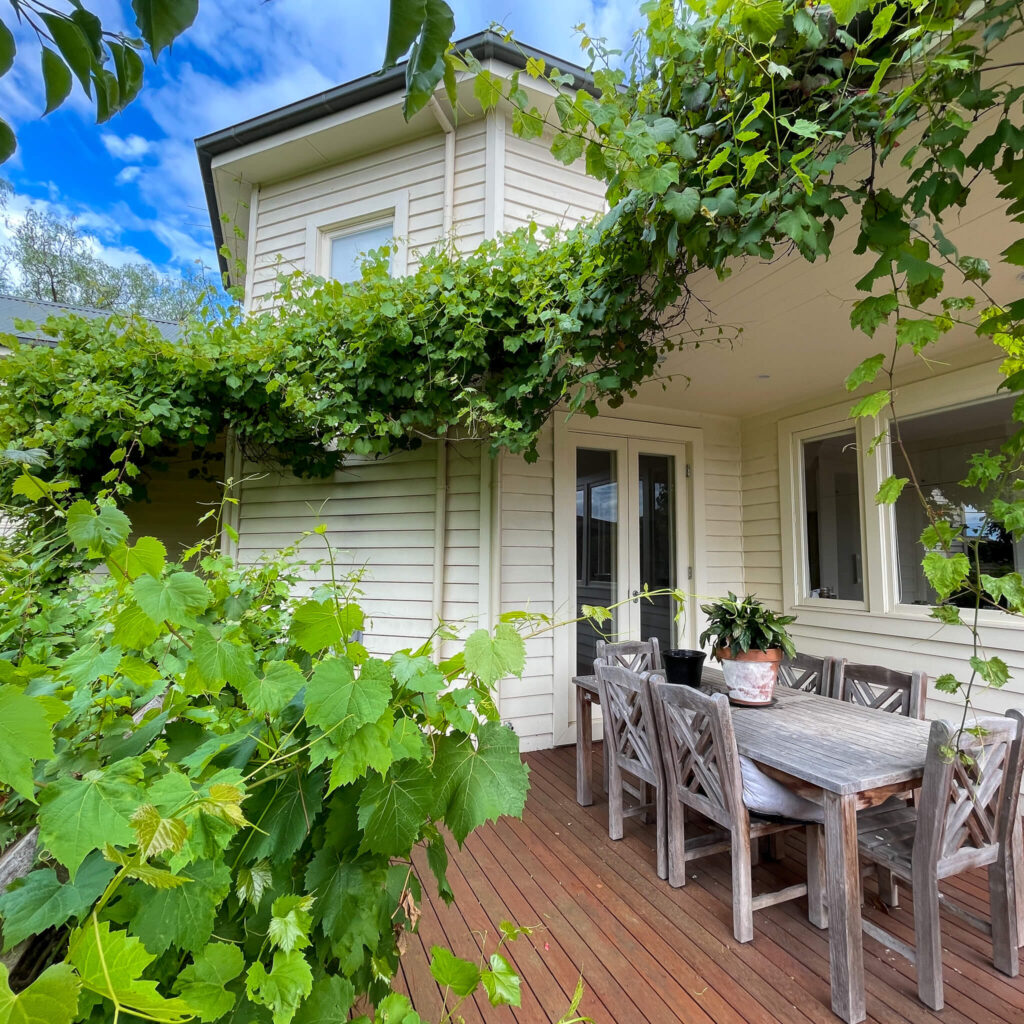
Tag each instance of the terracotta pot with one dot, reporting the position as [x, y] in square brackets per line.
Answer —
[750, 677]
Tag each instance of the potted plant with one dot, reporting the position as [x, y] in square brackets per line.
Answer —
[749, 641]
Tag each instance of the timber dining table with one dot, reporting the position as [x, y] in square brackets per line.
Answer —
[842, 756]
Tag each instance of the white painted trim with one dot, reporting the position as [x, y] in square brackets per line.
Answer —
[448, 208]
[233, 467]
[440, 534]
[485, 545]
[250, 248]
[324, 224]
[878, 532]
[494, 173]
[627, 438]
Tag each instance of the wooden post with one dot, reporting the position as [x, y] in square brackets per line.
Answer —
[842, 874]
[817, 909]
[584, 747]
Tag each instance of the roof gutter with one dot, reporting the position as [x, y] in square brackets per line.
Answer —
[484, 46]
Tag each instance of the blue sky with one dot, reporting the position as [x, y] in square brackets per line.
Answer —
[134, 183]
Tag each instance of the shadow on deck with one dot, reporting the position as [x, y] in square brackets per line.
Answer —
[648, 952]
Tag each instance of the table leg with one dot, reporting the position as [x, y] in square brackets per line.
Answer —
[584, 747]
[842, 876]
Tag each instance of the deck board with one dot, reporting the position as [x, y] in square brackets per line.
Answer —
[648, 952]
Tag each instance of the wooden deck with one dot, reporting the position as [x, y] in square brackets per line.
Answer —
[648, 952]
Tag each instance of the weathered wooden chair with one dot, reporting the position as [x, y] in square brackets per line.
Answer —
[901, 693]
[703, 774]
[807, 672]
[965, 819]
[640, 655]
[631, 746]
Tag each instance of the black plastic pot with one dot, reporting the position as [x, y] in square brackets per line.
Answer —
[683, 667]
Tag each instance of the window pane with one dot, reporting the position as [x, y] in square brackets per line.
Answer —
[347, 250]
[832, 518]
[597, 512]
[939, 446]
[657, 557]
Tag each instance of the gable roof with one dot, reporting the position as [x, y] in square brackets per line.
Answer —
[14, 307]
[484, 46]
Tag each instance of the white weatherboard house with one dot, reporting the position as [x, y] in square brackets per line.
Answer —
[749, 476]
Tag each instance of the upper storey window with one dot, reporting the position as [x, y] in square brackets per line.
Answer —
[349, 247]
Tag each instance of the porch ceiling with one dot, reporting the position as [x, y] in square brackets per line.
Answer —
[789, 339]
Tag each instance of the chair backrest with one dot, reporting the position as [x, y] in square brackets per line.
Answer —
[969, 796]
[902, 693]
[629, 727]
[636, 655]
[698, 746]
[807, 672]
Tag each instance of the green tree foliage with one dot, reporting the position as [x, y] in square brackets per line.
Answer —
[74, 45]
[228, 800]
[49, 258]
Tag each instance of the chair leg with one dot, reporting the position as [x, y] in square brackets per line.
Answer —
[817, 909]
[928, 940]
[661, 830]
[888, 887]
[742, 895]
[775, 847]
[1002, 889]
[614, 796]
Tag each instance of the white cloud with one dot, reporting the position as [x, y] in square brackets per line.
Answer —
[127, 174]
[129, 148]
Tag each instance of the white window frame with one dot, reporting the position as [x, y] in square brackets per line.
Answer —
[347, 218]
[792, 433]
[880, 560]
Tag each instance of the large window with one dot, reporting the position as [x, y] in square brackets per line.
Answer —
[831, 515]
[348, 248]
[939, 445]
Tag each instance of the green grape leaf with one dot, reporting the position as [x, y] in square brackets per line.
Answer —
[8, 49]
[870, 406]
[1009, 588]
[491, 658]
[40, 901]
[284, 812]
[281, 990]
[203, 984]
[339, 703]
[480, 782]
[51, 999]
[175, 598]
[111, 964]
[501, 983]
[96, 532]
[948, 614]
[418, 674]
[394, 809]
[407, 741]
[890, 489]
[368, 747]
[157, 834]
[350, 899]
[396, 1009]
[220, 661]
[77, 816]
[162, 21]
[450, 971]
[866, 372]
[437, 861]
[183, 916]
[90, 663]
[329, 1002]
[134, 867]
[290, 921]
[946, 574]
[316, 626]
[134, 629]
[56, 78]
[270, 695]
[25, 736]
[146, 556]
[993, 670]
[682, 205]
[8, 141]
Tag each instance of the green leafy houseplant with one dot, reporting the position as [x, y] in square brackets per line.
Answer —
[739, 626]
[232, 802]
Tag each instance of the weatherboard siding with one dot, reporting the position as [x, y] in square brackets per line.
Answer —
[542, 189]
